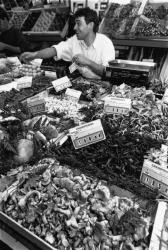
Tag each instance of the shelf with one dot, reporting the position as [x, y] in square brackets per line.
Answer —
[155, 42]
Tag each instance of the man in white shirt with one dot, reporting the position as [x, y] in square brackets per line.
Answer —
[90, 50]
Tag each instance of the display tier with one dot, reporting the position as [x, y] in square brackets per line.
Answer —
[41, 24]
[135, 20]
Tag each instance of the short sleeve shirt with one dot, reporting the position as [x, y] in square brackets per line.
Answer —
[101, 52]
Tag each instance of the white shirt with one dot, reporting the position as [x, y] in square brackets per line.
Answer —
[101, 52]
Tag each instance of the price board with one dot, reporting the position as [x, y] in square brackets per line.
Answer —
[24, 82]
[115, 105]
[61, 83]
[51, 74]
[72, 94]
[165, 97]
[87, 134]
[155, 176]
[37, 106]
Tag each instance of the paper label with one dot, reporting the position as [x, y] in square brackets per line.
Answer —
[36, 107]
[51, 74]
[115, 105]
[87, 134]
[165, 97]
[73, 67]
[61, 83]
[24, 82]
[72, 94]
[155, 177]
[37, 97]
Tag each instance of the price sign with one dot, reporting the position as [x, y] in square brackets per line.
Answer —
[24, 82]
[72, 94]
[87, 134]
[165, 97]
[115, 105]
[37, 97]
[73, 67]
[51, 74]
[36, 107]
[155, 176]
[61, 83]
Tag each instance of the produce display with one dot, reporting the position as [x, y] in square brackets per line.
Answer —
[30, 70]
[58, 22]
[44, 21]
[18, 18]
[64, 195]
[69, 210]
[119, 19]
[30, 20]
[156, 24]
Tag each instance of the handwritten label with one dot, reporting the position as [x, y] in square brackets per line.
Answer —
[51, 74]
[165, 97]
[114, 105]
[37, 97]
[72, 94]
[36, 107]
[73, 67]
[61, 83]
[24, 82]
[87, 134]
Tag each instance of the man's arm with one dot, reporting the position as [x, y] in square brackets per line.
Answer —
[42, 54]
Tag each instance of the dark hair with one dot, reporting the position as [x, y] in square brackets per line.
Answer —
[89, 15]
[3, 14]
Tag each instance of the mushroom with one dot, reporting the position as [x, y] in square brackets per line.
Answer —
[23, 200]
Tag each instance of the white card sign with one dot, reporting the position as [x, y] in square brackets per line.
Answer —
[36, 107]
[51, 74]
[165, 97]
[72, 94]
[24, 82]
[61, 83]
[115, 105]
[86, 134]
[73, 67]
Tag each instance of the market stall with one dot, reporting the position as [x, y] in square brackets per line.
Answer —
[83, 162]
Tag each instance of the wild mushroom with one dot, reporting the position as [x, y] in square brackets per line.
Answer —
[49, 238]
[23, 200]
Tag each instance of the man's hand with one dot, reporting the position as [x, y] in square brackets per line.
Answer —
[28, 56]
[81, 60]
[2, 46]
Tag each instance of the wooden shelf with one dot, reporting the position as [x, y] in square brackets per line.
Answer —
[152, 43]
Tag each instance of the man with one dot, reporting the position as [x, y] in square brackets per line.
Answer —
[12, 41]
[90, 50]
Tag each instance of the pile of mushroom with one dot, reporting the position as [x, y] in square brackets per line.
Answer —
[72, 211]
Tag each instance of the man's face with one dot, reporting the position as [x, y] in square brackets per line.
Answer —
[82, 28]
[4, 25]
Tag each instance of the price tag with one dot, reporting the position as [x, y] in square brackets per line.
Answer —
[72, 94]
[155, 177]
[51, 74]
[87, 134]
[165, 97]
[73, 67]
[61, 83]
[115, 105]
[36, 107]
[37, 97]
[24, 82]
